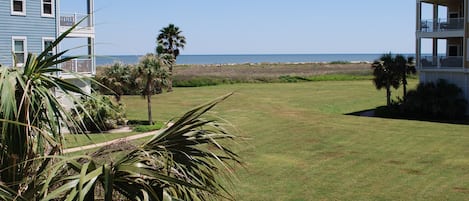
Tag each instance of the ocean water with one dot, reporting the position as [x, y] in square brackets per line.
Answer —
[255, 58]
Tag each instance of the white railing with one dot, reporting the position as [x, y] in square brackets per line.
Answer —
[442, 62]
[78, 66]
[68, 20]
[440, 25]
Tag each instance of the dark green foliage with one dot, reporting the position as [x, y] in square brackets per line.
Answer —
[98, 113]
[199, 82]
[116, 80]
[339, 62]
[440, 100]
[390, 71]
[148, 128]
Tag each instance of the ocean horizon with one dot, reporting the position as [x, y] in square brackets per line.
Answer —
[247, 58]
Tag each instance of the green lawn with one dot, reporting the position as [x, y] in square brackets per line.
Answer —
[302, 147]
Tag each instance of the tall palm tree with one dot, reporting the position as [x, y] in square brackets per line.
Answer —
[169, 41]
[152, 77]
[386, 74]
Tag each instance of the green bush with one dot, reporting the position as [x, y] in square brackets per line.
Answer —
[148, 128]
[340, 62]
[102, 114]
[440, 100]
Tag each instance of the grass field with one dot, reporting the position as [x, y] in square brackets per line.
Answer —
[303, 147]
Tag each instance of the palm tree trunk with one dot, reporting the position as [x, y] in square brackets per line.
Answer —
[404, 85]
[148, 94]
[150, 119]
[388, 95]
[170, 78]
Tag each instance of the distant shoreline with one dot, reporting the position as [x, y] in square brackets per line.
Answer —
[250, 59]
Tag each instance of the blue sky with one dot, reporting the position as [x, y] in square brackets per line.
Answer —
[256, 26]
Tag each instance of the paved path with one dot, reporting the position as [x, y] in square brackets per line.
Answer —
[129, 138]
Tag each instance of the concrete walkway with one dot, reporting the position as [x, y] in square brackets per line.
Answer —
[129, 138]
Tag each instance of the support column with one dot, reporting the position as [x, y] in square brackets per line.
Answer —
[91, 49]
[91, 52]
[436, 21]
[435, 52]
[90, 13]
[418, 42]
[418, 53]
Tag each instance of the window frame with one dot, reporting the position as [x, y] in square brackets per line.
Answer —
[51, 39]
[25, 49]
[13, 12]
[52, 14]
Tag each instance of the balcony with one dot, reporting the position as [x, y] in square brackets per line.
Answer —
[442, 25]
[78, 66]
[441, 62]
[84, 29]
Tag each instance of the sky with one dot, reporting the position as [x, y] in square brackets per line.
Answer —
[255, 26]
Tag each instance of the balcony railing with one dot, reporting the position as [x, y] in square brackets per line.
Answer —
[68, 20]
[440, 25]
[78, 66]
[441, 62]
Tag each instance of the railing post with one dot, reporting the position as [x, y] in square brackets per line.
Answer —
[74, 18]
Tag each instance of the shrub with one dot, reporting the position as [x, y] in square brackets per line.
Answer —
[148, 128]
[440, 100]
[102, 114]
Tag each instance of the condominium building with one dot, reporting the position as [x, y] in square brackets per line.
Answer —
[29, 26]
[442, 40]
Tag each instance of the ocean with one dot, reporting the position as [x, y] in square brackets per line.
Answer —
[254, 58]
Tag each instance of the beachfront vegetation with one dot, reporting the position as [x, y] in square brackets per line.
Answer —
[210, 75]
[169, 41]
[301, 146]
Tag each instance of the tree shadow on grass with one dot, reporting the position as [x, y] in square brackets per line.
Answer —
[383, 112]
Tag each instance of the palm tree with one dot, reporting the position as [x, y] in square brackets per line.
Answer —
[152, 77]
[407, 67]
[169, 41]
[115, 79]
[186, 161]
[387, 74]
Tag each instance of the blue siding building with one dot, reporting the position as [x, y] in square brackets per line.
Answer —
[28, 26]
[24, 27]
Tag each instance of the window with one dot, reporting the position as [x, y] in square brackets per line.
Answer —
[47, 9]
[19, 50]
[18, 7]
[46, 42]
